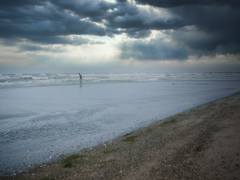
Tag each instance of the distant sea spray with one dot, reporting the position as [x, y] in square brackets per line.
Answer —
[29, 80]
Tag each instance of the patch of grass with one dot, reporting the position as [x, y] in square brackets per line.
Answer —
[173, 120]
[181, 114]
[149, 130]
[70, 160]
[130, 139]
[127, 134]
[111, 151]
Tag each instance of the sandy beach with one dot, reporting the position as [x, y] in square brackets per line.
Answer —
[202, 143]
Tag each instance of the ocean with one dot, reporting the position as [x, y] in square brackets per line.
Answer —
[45, 116]
[30, 80]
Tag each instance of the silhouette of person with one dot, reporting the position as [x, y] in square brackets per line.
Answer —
[80, 76]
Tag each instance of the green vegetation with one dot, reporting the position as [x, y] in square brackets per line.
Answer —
[173, 120]
[111, 151]
[181, 114]
[149, 130]
[70, 160]
[130, 139]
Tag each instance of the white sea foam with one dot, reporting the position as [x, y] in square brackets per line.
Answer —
[45, 115]
[26, 80]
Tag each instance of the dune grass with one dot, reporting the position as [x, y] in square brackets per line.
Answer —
[130, 139]
[70, 160]
[111, 151]
[149, 130]
[173, 120]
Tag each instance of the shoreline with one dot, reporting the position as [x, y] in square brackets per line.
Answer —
[199, 143]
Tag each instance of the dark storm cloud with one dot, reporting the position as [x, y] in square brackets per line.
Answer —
[48, 19]
[125, 15]
[193, 27]
[42, 20]
[200, 27]
[122, 1]
[95, 10]
[15, 3]
[175, 3]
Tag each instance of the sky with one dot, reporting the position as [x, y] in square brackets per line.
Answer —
[119, 36]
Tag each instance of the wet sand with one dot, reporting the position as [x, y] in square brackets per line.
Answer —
[202, 143]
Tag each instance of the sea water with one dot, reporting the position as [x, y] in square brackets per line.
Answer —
[43, 116]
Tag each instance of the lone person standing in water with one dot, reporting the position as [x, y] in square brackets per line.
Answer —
[80, 76]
